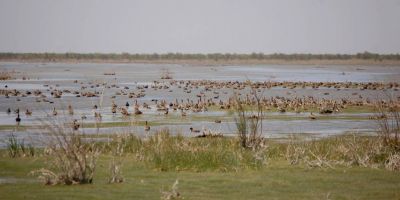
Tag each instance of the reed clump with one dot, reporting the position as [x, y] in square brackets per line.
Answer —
[18, 148]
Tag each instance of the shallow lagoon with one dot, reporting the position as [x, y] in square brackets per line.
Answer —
[43, 76]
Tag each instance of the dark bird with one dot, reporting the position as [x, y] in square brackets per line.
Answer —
[194, 130]
[18, 119]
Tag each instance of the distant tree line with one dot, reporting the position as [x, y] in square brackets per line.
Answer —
[184, 56]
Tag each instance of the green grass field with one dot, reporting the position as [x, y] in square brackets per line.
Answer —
[215, 168]
[277, 181]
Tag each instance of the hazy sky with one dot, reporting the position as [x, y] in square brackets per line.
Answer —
[203, 26]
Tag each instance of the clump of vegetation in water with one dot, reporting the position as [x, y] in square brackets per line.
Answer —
[166, 74]
[6, 75]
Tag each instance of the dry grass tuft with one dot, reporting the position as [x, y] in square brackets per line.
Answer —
[388, 119]
[345, 151]
[47, 177]
[73, 160]
[249, 123]
[173, 193]
[115, 170]
[393, 162]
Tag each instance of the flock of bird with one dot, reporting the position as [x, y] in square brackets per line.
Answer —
[207, 94]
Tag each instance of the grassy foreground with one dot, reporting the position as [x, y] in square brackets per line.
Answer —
[277, 181]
